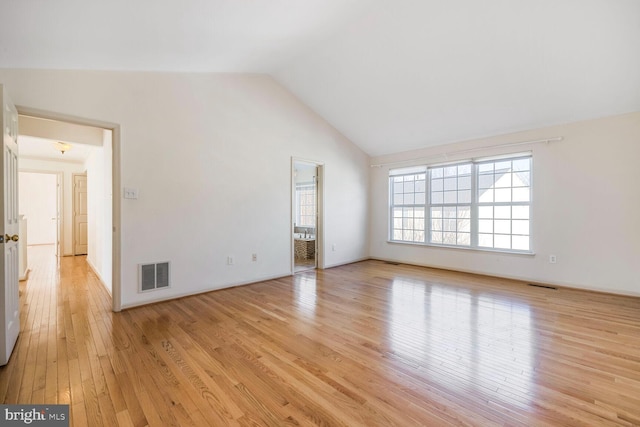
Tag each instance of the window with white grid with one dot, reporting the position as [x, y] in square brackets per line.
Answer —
[480, 204]
[407, 189]
[306, 205]
[450, 205]
[504, 204]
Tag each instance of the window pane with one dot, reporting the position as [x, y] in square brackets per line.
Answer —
[464, 211]
[520, 212]
[502, 181]
[418, 224]
[485, 212]
[464, 225]
[464, 196]
[521, 194]
[485, 181]
[419, 213]
[397, 199]
[397, 212]
[397, 234]
[521, 179]
[501, 241]
[437, 198]
[436, 185]
[522, 165]
[503, 195]
[502, 167]
[449, 212]
[450, 196]
[464, 169]
[464, 183]
[449, 238]
[486, 196]
[520, 243]
[485, 240]
[450, 184]
[485, 226]
[449, 225]
[520, 227]
[420, 199]
[409, 187]
[420, 186]
[418, 236]
[502, 226]
[436, 173]
[408, 199]
[436, 212]
[464, 239]
[407, 235]
[485, 167]
[397, 222]
[436, 237]
[450, 171]
[502, 212]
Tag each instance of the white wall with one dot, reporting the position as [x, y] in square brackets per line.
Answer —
[99, 206]
[586, 207]
[67, 169]
[210, 155]
[37, 202]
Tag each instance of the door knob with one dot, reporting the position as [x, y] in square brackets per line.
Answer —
[7, 238]
[15, 238]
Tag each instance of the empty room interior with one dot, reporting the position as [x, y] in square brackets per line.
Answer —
[336, 213]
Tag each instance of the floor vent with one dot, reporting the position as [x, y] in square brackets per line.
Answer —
[153, 276]
[542, 286]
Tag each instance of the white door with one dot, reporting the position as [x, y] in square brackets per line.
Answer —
[80, 226]
[9, 305]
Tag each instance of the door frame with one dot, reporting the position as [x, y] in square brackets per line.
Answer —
[116, 268]
[319, 212]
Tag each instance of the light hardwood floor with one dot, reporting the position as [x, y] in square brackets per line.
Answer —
[365, 344]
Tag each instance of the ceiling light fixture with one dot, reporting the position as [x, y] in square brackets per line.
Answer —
[62, 146]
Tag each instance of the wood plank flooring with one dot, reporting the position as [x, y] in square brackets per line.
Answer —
[368, 344]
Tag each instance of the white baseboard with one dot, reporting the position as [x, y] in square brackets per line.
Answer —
[203, 291]
[559, 284]
[95, 271]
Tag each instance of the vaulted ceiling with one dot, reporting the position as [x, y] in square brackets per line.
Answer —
[389, 75]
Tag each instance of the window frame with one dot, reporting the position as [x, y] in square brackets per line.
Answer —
[474, 205]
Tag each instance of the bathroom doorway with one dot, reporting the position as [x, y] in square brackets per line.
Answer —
[306, 219]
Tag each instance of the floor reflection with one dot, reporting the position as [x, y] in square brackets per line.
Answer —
[304, 293]
[464, 339]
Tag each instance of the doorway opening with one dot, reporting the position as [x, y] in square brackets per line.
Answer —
[84, 153]
[40, 204]
[306, 200]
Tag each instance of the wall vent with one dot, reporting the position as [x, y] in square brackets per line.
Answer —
[153, 276]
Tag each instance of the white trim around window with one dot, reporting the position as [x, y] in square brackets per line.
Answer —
[482, 204]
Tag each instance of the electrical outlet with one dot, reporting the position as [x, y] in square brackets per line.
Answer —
[229, 260]
[254, 257]
[552, 259]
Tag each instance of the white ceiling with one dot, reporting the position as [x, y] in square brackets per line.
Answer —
[390, 75]
[41, 148]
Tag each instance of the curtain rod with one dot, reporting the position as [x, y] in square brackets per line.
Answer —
[470, 150]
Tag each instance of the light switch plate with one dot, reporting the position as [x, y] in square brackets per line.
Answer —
[130, 193]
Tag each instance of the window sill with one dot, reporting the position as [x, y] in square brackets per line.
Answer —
[462, 248]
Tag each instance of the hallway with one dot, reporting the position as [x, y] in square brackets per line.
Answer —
[65, 316]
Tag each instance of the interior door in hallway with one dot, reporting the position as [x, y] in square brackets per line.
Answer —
[80, 230]
[10, 311]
